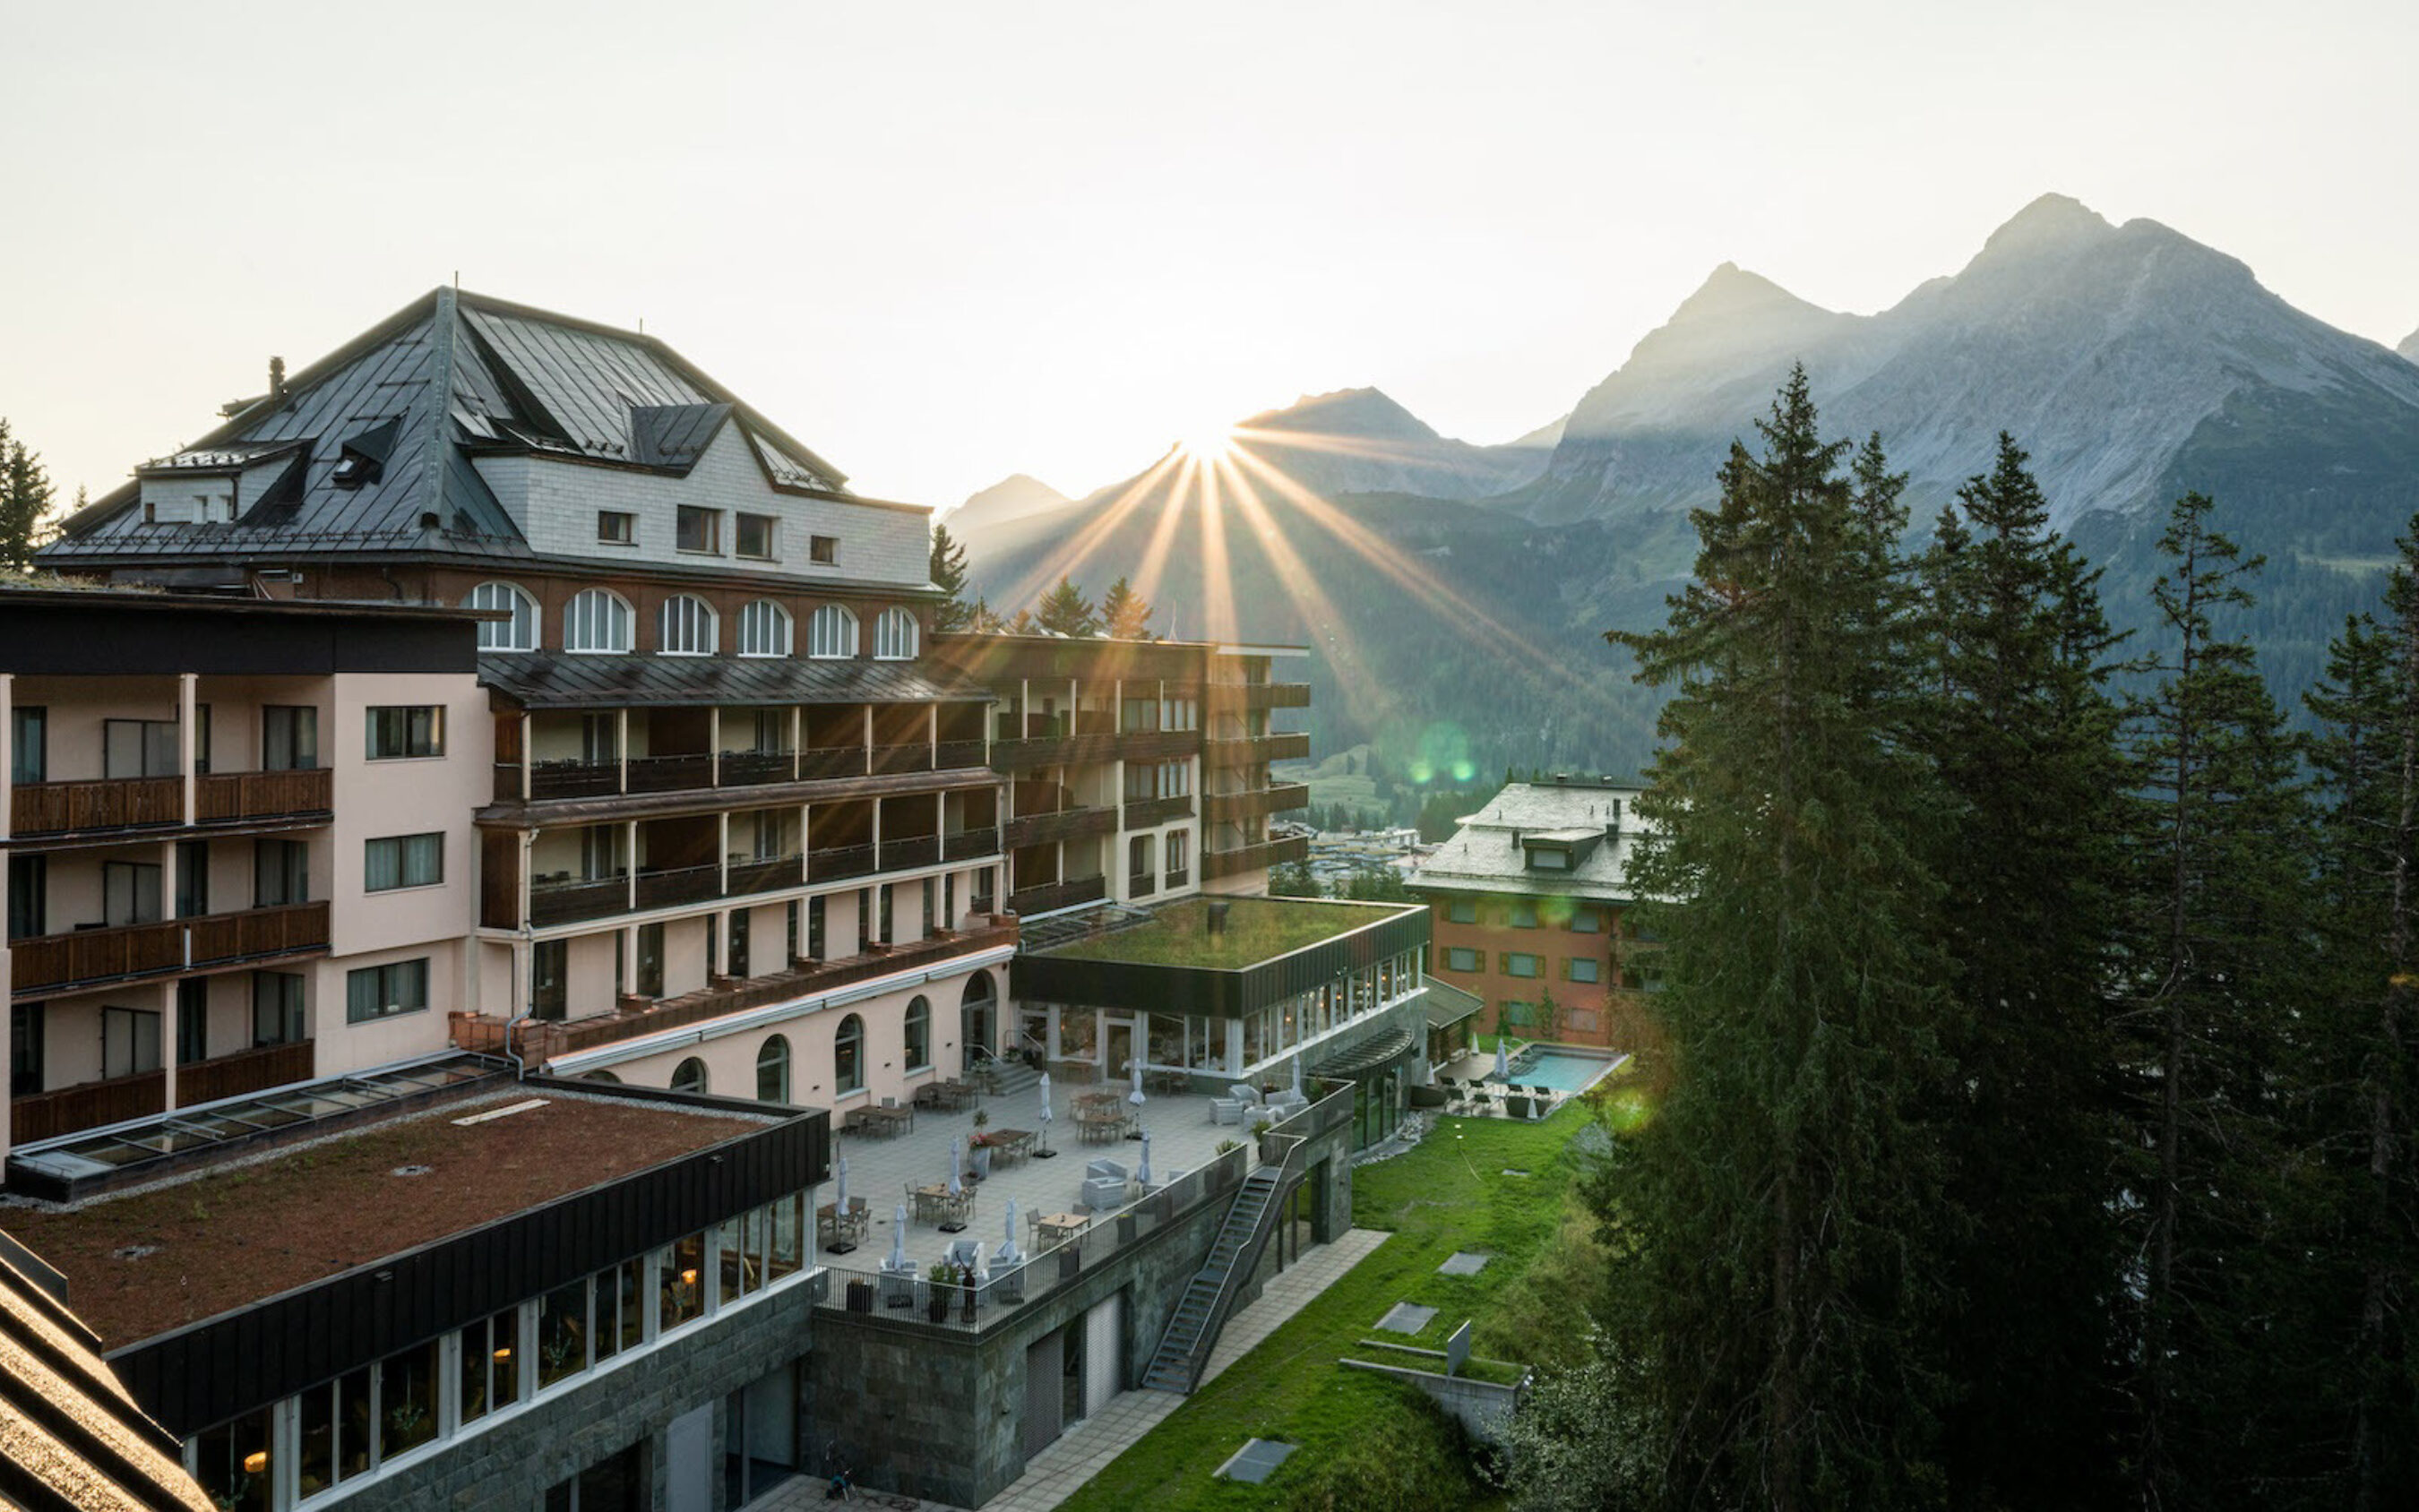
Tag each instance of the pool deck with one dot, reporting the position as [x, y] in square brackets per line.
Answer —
[1476, 1067]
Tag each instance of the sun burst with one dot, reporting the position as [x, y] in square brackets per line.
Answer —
[1207, 446]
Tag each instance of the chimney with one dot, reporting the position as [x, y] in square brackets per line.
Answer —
[1214, 917]
[277, 377]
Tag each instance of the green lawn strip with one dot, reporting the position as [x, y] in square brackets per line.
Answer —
[1448, 1194]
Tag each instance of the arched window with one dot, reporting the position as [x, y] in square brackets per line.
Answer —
[689, 1076]
[686, 627]
[764, 629]
[831, 635]
[605, 1076]
[920, 1034]
[894, 636]
[773, 1071]
[596, 620]
[848, 1056]
[519, 633]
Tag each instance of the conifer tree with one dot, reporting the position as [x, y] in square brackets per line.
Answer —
[1775, 1314]
[1124, 615]
[25, 496]
[1065, 611]
[2216, 951]
[949, 574]
[2023, 734]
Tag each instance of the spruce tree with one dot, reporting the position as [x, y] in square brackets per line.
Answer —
[1124, 615]
[2216, 953]
[2023, 734]
[949, 574]
[1065, 611]
[1775, 1310]
[25, 496]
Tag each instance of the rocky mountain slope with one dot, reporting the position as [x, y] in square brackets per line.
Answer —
[1015, 497]
[2410, 346]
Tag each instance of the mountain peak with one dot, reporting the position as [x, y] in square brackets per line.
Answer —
[2410, 346]
[1365, 412]
[1013, 497]
[1731, 292]
[2050, 221]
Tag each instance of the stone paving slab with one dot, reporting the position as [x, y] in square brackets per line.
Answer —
[1464, 1262]
[1407, 1317]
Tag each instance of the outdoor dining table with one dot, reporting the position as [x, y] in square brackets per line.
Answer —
[1099, 1125]
[888, 1120]
[831, 1223]
[1057, 1227]
[1008, 1144]
[935, 1202]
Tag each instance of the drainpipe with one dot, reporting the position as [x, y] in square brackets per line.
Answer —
[522, 960]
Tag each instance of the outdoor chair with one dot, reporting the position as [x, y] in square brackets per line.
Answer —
[1515, 1105]
[1104, 1184]
[1225, 1110]
[965, 1252]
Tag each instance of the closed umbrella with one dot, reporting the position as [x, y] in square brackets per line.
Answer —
[956, 1158]
[898, 1240]
[1046, 1113]
[1008, 1251]
[1502, 1061]
[1142, 1171]
[1136, 1097]
[1297, 1075]
[840, 1204]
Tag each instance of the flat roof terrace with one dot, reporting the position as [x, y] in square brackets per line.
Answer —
[203, 1242]
[1252, 930]
[1213, 957]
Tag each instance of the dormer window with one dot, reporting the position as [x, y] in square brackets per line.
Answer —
[698, 530]
[1549, 858]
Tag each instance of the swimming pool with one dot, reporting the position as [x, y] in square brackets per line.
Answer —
[1563, 1071]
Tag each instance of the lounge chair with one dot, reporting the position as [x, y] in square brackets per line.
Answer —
[1104, 1185]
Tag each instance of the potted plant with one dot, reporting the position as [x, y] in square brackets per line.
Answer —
[936, 1305]
[980, 1145]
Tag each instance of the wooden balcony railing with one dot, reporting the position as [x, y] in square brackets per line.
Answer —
[750, 768]
[52, 963]
[225, 798]
[1141, 812]
[543, 1041]
[1217, 864]
[950, 755]
[914, 758]
[1157, 745]
[1053, 751]
[769, 873]
[910, 850]
[833, 862]
[1275, 798]
[67, 1110]
[1053, 895]
[1259, 695]
[1064, 823]
[673, 885]
[570, 900]
[1252, 749]
[120, 803]
[970, 844]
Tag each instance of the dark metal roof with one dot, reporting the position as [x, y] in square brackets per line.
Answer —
[417, 394]
[1366, 1055]
[543, 680]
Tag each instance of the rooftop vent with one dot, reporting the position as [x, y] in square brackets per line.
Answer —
[1214, 917]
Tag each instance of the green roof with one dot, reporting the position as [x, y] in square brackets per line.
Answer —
[1257, 930]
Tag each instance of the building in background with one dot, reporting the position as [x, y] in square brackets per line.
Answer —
[1527, 903]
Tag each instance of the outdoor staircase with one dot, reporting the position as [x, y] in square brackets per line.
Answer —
[1209, 1297]
[1013, 1082]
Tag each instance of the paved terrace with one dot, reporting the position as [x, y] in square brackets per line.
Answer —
[881, 1169]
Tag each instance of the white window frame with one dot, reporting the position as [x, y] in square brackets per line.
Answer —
[686, 626]
[765, 628]
[592, 611]
[831, 633]
[520, 632]
[895, 635]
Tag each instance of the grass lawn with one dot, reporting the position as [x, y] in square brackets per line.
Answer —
[1449, 1194]
[1257, 930]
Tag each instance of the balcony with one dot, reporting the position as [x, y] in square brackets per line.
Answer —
[1142, 812]
[119, 805]
[1056, 895]
[910, 851]
[693, 770]
[71, 1109]
[1259, 695]
[1275, 798]
[1178, 877]
[970, 844]
[1053, 751]
[914, 758]
[672, 886]
[954, 755]
[667, 774]
[542, 1042]
[1063, 824]
[46, 964]
[769, 873]
[834, 862]
[1158, 745]
[566, 900]
[750, 768]
[1253, 749]
[1218, 864]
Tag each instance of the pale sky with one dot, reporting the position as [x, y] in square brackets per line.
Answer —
[941, 243]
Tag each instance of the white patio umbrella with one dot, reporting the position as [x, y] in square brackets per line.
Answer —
[1142, 1170]
[898, 1240]
[1135, 1096]
[1297, 1075]
[956, 1158]
[1046, 1113]
[1502, 1061]
[840, 1203]
[1008, 1251]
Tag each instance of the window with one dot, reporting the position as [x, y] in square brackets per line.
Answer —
[824, 548]
[407, 1400]
[281, 873]
[600, 738]
[1138, 861]
[597, 621]
[831, 634]
[227, 1458]
[698, 530]
[686, 627]
[384, 991]
[757, 535]
[1547, 858]
[1524, 914]
[491, 1365]
[894, 636]
[129, 1041]
[289, 738]
[129, 892]
[26, 1024]
[681, 1267]
[335, 1431]
[1519, 964]
[651, 959]
[1518, 1015]
[848, 1056]
[28, 902]
[764, 629]
[193, 878]
[139, 747]
[617, 527]
[1179, 852]
[518, 633]
[193, 1020]
[1585, 968]
[561, 1333]
[919, 1033]
[814, 929]
[276, 1007]
[689, 1076]
[1462, 958]
[1586, 921]
[1461, 910]
[29, 744]
[550, 978]
[406, 733]
[773, 1071]
[403, 861]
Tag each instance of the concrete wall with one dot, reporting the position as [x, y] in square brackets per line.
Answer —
[509, 1468]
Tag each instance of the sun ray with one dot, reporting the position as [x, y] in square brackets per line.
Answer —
[1217, 580]
[1359, 693]
[1064, 560]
